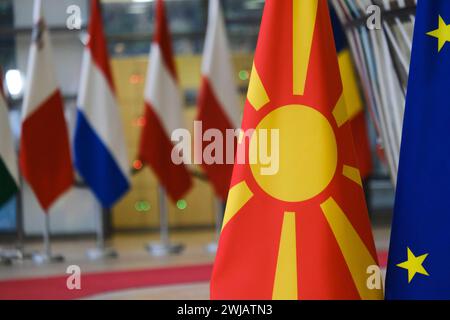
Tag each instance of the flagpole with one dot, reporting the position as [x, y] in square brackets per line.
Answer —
[18, 253]
[401, 57]
[101, 251]
[391, 142]
[20, 232]
[47, 256]
[19, 222]
[100, 230]
[164, 216]
[219, 216]
[387, 65]
[218, 208]
[164, 247]
[47, 243]
[8, 255]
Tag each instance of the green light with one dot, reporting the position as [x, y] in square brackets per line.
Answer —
[244, 75]
[181, 204]
[142, 206]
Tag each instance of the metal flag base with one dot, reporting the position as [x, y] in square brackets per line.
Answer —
[44, 258]
[47, 257]
[101, 253]
[14, 254]
[159, 249]
[5, 260]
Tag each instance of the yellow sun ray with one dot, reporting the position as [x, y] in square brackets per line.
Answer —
[285, 284]
[304, 21]
[238, 196]
[340, 113]
[257, 94]
[352, 173]
[355, 252]
[354, 104]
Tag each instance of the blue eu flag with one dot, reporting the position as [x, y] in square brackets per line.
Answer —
[419, 256]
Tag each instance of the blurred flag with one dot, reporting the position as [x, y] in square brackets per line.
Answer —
[303, 232]
[45, 159]
[419, 255]
[353, 100]
[9, 177]
[218, 98]
[163, 112]
[99, 144]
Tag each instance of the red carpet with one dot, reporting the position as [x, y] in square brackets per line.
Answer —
[54, 288]
[49, 288]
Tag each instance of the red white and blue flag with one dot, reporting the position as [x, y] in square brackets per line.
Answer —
[99, 145]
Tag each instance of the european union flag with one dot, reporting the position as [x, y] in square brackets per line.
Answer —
[419, 256]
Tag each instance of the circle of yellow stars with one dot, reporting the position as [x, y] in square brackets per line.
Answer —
[442, 33]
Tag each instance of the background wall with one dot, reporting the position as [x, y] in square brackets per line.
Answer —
[129, 76]
[129, 26]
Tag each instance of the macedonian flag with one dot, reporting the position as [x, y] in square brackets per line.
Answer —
[301, 231]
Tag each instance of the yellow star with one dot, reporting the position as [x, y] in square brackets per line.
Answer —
[442, 33]
[414, 265]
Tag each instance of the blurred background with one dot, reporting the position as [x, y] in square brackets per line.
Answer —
[129, 26]
[135, 219]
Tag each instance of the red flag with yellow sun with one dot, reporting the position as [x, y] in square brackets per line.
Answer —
[303, 232]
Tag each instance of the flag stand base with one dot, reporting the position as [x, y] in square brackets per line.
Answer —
[9, 255]
[211, 247]
[159, 249]
[44, 258]
[101, 253]
[5, 262]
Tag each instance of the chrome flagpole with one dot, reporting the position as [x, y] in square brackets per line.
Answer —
[363, 48]
[382, 61]
[385, 106]
[164, 247]
[101, 251]
[219, 214]
[18, 253]
[47, 255]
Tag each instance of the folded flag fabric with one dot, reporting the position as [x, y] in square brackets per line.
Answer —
[9, 177]
[45, 159]
[419, 255]
[99, 145]
[353, 100]
[218, 101]
[163, 112]
[302, 231]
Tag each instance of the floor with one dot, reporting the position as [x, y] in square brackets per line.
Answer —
[133, 256]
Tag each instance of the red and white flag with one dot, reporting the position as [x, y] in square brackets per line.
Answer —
[218, 101]
[163, 113]
[44, 158]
